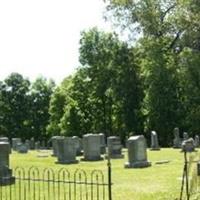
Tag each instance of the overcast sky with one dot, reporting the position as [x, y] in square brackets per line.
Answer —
[41, 37]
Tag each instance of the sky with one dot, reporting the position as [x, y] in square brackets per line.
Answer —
[41, 37]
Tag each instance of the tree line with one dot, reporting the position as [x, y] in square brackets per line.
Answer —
[149, 82]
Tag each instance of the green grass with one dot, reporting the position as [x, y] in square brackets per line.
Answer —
[160, 181]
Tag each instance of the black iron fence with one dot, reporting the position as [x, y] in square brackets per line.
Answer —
[49, 184]
[190, 187]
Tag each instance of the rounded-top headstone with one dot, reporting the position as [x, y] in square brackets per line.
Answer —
[137, 152]
[177, 140]
[114, 147]
[92, 147]
[154, 141]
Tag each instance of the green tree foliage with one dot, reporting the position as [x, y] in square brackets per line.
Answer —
[14, 106]
[168, 44]
[40, 94]
[105, 94]
[24, 106]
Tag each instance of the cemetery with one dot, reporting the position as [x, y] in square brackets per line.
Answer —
[117, 116]
[137, 172]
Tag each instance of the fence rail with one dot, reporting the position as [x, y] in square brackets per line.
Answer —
[48, 184]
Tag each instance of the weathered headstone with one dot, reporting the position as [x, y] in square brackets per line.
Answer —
[114, 147]
[196, 141]
[103, 144]
[92, 147]
[66, 150]
[15, 142]
[154, 141]
[185, 136]
[137, 152]
[22, 148]
[5, 173]
[55, 144]
[78, 145]
[177, 140]
[188, 145]
[37, 145]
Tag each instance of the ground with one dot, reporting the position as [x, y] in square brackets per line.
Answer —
[160, 181]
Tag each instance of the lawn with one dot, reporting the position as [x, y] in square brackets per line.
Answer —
[160, 181]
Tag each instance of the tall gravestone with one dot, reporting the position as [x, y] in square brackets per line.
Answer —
[137, 152]
[177, 140]
[91, 147]
[196, 141]
[154, 141]
[114, 147]
[78, 145]
[103, 144]
[5, 173]
[66, 150]
[15, 142]
[185, 136]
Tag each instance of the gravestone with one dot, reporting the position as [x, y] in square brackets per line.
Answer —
[103, 144]
[55, 144]
[185, 136]
[196, 141]
[32, 143]
[154, 141]
[15, 142]
[66, 150]
[188, 145]
[37, 145]
[91, 147]
[114, 147]
[5, 173]
[4, 139]
[177, 140]
[137, 152]
[78, 145]
[22, 148]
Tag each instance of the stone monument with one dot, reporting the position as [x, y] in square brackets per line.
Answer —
[188, 145]
[154, 141]
[114, 147]
[5, 173]
[66, 150]
[177, 140]
[137, 152]
[92, 147]
[55, 144]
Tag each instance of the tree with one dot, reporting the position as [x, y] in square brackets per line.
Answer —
[40, 95]
[14, 106]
